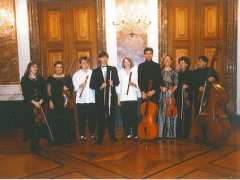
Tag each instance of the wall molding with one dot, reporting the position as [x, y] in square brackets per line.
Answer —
[11, 92]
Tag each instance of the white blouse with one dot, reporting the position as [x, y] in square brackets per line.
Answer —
[134, 92]
[88, 94]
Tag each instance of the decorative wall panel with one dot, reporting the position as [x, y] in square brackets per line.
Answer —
[181, 23]
[9, 69]
[82, 24]
[211, 21]
[55, 26]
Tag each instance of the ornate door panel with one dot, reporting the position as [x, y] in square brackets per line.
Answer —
[67, 31]
[83, 31]
[210, 28]
[181, 29]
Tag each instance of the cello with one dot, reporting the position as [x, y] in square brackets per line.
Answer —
[212, 114]
[148, 127]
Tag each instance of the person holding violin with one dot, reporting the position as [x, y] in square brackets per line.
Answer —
[167, 116]
[128, 93]
[202, 74]
[85, 99]
[34, 93]
[184, 97]
[104, 80]
[61, 117]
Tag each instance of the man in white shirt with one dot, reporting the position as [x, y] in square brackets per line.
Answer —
[85, 99]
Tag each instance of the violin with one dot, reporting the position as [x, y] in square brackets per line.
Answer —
[148, 127]
[68, 98]
[40, 118]
[171, 108]
[67, 94]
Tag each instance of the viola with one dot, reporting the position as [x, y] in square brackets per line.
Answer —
[148, 127]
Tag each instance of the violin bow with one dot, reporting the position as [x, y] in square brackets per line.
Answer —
[182, 103]
[46, 121]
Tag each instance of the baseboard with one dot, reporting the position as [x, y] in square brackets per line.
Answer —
[11, 92]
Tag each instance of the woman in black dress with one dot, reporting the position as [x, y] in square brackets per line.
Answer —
[61, 117]
[34, 93]
[184, 97]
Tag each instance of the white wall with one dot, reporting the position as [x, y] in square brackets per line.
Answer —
[111, 32]
[22, 23]
[153, 30]
[13, 92]
[238, 62]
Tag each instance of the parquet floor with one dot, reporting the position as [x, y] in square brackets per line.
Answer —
[124, 159]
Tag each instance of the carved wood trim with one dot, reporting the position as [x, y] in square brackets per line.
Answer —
[34, 32]
[162, 27]
[230, 64]
[101, 31]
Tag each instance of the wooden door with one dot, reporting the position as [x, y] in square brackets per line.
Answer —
[196, 28]
[67, 31]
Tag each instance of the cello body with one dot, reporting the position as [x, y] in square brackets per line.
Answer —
[212, 124]
[148, 127]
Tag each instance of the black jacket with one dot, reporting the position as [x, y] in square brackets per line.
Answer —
[97, 80]
[150, 71]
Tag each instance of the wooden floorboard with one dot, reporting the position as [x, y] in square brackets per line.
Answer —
[124, 159]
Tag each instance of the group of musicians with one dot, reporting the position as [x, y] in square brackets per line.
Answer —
[99, 91]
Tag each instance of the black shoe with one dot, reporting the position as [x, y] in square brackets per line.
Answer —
[36, 149]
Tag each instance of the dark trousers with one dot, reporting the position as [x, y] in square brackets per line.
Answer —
[61, 122]
[184, 125]
[86, 112]
[129, 117]
[105, 120]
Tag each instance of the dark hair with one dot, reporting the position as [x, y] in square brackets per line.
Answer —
[186, 59]
[203, 58]
[27, 72]
[83, 58]
[148, 49]
[129, 60]
[58, 62]
[103, 54]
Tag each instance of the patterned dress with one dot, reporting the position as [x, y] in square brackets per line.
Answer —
[167, 123]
